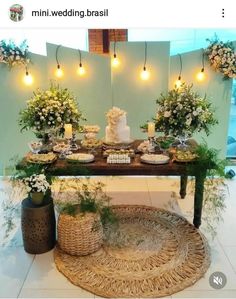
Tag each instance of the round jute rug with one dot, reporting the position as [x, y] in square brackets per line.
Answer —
[152, 253]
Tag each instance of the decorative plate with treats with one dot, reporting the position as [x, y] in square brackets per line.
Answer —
[118, 144]
[80, 158]
[154, 159]
[91, 143]
[184, 156]
[129, 152]
[91, 128]
[61, 147]
[41, 158]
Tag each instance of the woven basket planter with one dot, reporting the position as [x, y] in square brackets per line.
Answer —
[80, 235]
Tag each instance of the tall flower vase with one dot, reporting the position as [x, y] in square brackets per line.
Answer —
[46, 141]
[37, 198]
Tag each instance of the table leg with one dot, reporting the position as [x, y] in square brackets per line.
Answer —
[183, 185]
[198, 198]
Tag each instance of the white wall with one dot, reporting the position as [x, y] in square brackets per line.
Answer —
[138, 97]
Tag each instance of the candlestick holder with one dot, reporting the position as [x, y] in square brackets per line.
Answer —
[152, 145]
[72, 142]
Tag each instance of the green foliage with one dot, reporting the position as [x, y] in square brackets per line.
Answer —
[88, 205]
[107, 216]
[69, 209]
[208, 160]
[86, 196]
[165, 141]
[215, 186]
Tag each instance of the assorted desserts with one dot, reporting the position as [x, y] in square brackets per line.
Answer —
[185, 156]
[118, 159]
[154, 159]
[80, 157]
[91, 128]
[41, 158]
[129, 152]
[91, 143]
[61, 147]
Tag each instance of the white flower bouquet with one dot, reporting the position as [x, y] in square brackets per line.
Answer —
[36, 183]
[49, 110]
[14, 55]
[113, 115]
[222, 57]
[182, 112]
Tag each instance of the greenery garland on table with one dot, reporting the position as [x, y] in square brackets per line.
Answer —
[14, 55]
[222, 57]
[49, 110]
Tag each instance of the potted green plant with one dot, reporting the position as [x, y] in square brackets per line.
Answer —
[84, 209]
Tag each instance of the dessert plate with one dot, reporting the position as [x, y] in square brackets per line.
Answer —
[154, 159]
[125, 143]
[41, 158]
[80, 158]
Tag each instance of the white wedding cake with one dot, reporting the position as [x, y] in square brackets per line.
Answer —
[117, 130]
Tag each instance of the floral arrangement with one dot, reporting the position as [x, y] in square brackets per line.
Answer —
[14, 55]
[49, 110]
[222, 57]
[36, 183]
[82, 195]
[182, 112]
[113, 115]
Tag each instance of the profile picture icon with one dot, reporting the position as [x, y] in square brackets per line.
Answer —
[16, 12]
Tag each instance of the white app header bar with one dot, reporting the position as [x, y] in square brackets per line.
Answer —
[117, 14]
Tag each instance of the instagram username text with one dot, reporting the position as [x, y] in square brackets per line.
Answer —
[70, 13]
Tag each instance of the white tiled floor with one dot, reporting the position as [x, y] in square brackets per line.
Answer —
[29, 276]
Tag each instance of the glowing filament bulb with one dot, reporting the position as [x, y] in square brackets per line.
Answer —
[81, 70]
[178, 82]
[59, 71]
[115, 61]
[28, 79]
[145, 74]
[201, 75]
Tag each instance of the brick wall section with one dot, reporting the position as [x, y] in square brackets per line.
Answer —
[96, 38]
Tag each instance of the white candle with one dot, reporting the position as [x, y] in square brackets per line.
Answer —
[151, 129]
[68, 131]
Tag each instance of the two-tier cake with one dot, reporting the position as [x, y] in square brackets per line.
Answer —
[117, 130]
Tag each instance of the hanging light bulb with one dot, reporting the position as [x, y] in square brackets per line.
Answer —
[59, 72]
[27, 79]
[115, 62]
[179, 82]
[145, 74]
[201, 75]
[80, 70]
